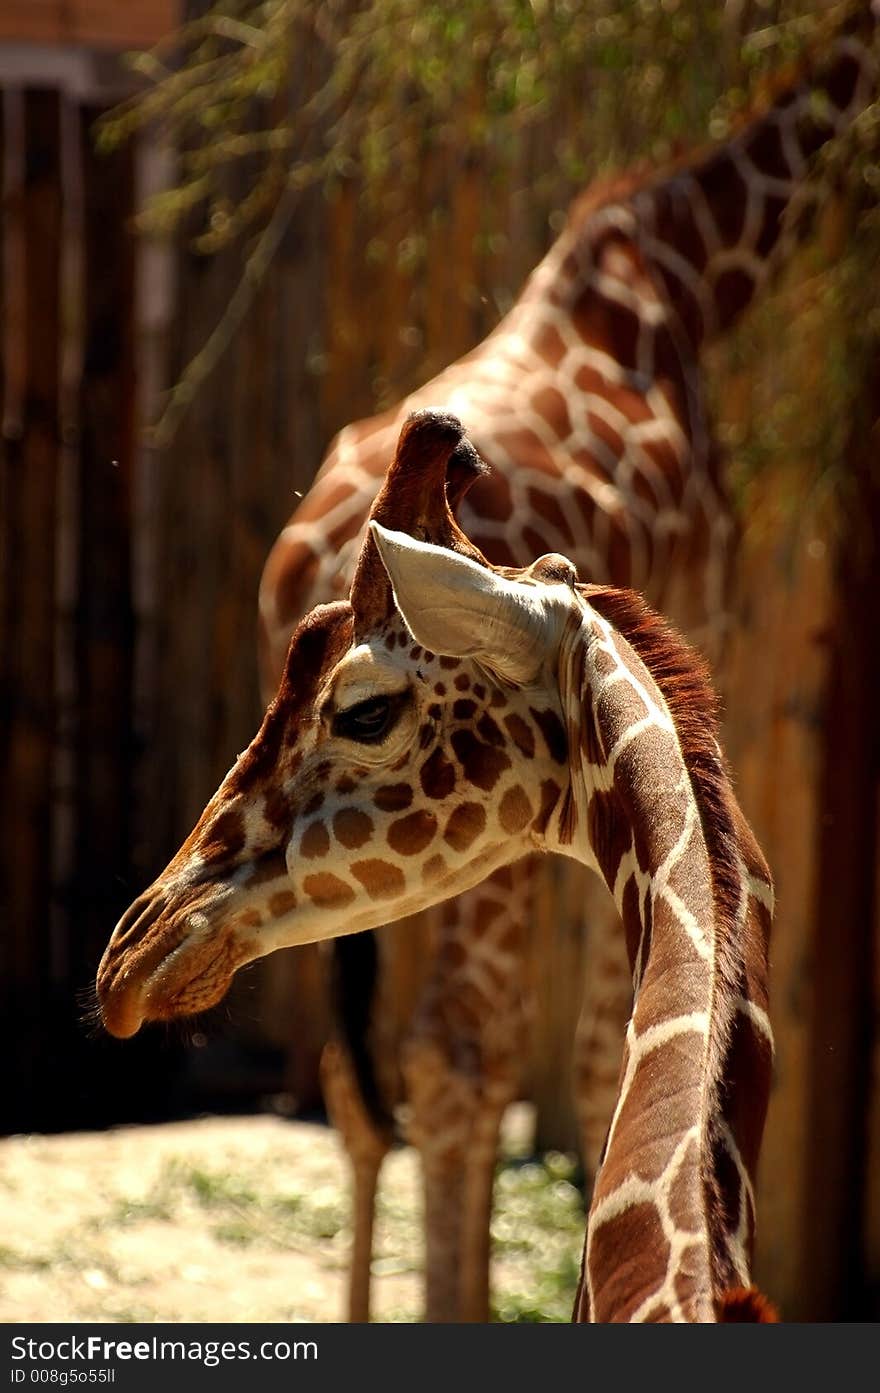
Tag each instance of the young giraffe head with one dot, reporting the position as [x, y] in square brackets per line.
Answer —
[386, 776]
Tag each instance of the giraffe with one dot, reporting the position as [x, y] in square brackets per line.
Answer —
[449, 718]
[587, 400]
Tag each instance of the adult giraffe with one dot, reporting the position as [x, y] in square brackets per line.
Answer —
[385, 778]
[587, 401]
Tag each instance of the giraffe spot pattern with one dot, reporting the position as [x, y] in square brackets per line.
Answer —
[462, 682]
[277, 809]
[683, 1196]
[632, 920]
[553, 732]
[314, 804]
[550, 792]
[345, 785]
[380, 879]
[433, 868]
[352, 827]
[552, 406]
[521, 734]
[393, 798]
[550, 345]
[609, 832]
[463, 709]
[636, 1230]
[282, 902]
[465, 824]
[515, 810]
[482, 764]
[603, 662]
[453, 956]
[224, 838]
[547, 507]
[488, 730]
[724, 187]
[591, 748]
[327, 890]
[315, 841]
[437, 775]
[842, 82]
[411, 834]
[733, 289]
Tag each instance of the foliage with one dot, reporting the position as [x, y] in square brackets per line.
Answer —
[263, 98]
[294, 91]
[538, 1230]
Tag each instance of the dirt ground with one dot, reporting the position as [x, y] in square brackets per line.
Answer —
[247, 1219]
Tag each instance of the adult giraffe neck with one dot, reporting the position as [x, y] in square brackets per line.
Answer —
[671, 1221]
[712, 227]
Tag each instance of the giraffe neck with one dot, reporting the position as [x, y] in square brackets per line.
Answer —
[714, 229]
[679, 256]
[671, 1222]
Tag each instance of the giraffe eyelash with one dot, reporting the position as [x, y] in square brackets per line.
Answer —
[370, 721]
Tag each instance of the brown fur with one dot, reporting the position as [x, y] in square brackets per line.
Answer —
[433, 468]
[745, 1305]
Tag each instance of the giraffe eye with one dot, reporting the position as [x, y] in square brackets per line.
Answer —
[371, 720]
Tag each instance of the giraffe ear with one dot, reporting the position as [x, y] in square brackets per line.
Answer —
[455, 606]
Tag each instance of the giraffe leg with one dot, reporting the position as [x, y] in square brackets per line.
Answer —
[367, 1145]
[477, 1206]
[462, 1066]
[439, 1103]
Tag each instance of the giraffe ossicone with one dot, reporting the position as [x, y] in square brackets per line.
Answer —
[446, 720]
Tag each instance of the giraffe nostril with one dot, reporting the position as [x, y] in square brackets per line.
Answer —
[138, 918]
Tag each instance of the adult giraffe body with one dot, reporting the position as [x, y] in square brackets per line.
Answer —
[587, 402]
[385, 778]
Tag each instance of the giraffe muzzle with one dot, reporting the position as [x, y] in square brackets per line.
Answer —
[169, 956]
[128, 962]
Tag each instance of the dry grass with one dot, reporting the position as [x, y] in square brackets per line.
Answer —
[246, 1219]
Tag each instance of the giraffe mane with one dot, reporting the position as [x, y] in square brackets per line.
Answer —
[683, 678]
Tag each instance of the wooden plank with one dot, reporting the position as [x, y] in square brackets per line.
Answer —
[770, 738]
[28, 726]
[872, 1151]
[106, 23]
[842, 1023]
[104, 618]
[6, 136]
[39, 21]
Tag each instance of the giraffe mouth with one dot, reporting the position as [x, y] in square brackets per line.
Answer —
[171, 981]
[167, 960]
